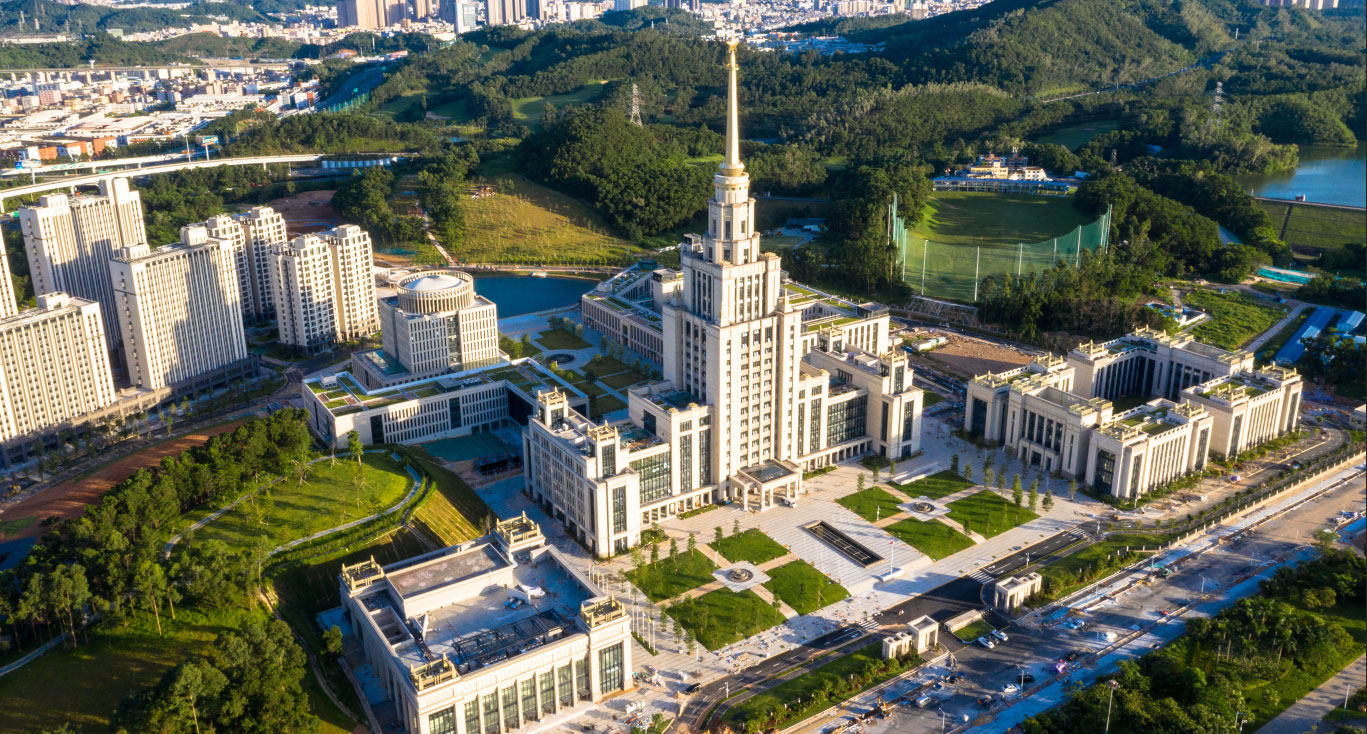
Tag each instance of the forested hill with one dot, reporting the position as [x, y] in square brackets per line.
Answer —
[86, 18]
[1044, 47]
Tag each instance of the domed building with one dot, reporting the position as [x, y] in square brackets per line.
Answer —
[436, 324]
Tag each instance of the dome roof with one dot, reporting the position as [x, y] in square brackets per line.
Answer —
[438, 282]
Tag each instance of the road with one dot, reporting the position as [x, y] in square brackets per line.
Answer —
[1029, 651]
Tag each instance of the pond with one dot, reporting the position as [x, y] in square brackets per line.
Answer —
[516, 295]
[1324, 176]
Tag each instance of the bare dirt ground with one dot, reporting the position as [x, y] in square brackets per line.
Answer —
[308, 212]
[69, 498]
[966, 357]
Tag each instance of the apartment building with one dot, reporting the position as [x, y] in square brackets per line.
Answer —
[9, 304]
[224, 227]
[323, 290]
[263, 228]
[497, 635]
[181, 315]
[54, 366]
[70, 240]
[763, 380]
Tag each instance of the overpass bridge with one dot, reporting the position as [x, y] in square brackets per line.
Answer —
[74, 182]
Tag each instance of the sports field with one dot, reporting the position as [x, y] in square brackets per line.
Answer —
[530, 109]
[963, 233]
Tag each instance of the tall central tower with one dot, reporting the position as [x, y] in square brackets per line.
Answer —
[731, 338]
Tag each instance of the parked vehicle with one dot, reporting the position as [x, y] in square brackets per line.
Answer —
[1010, 688]
[924, 701]
[1027, 678]
[1000, 635]
[693, 688]
[986, 642]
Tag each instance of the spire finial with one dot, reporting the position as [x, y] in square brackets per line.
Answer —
[731, 165]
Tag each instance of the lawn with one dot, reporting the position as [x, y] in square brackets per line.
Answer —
[441, 517]
[934, 539]
[1283, 335]
[1235, 317]
[957, 225]
[719, 618]
[669, 577]
[1075, 136]
[751, 545]
[935, 486]
[526, 222]
[607, 404]
[288, 511]
[803, 588]
[988, 514]
[872, 504]
[930, 399]
[530, 109]
[1061, 576]
[974, 630]
[623, 380]
[560, 339]
[83, 687]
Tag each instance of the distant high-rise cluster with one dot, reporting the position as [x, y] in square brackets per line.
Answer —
[385, 13]
[165, 321]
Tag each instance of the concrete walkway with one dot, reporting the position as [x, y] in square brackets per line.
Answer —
[1310, 710]
[25, 660]
[1263, 338]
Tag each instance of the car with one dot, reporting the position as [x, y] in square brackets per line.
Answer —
[1164, 612]
[693, 688]
[1027, 678]
[986, 642]
[1010, 688]
[986, 701]
[924, 701]
[1070, 657]
[1000, 635]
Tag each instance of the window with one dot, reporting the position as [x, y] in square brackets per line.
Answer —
[654, 473]
[685, 463]
[491, 713]
[1238, 426]
[814, 434]
[566, 680]
[529, 700]
[510, 708]
[548, 693]
[619, 510]
[1105, 470]
[1134, 474]
[581, 675]
[1201, 449]
[610, 669]
[705, 455]
[442, 722]
[978, 418]
[609, 459]
[472, 717]
[845, 421]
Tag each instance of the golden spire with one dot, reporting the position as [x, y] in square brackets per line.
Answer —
[731, 165]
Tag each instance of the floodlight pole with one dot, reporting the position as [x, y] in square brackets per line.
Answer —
[925, 247]
[977, 259]
[1020, 257]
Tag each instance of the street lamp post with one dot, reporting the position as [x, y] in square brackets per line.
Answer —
[1112, 684]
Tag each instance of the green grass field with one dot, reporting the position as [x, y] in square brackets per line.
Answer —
[441, 515]
[871, 504]
[560, 339]
[83, 687]
[806, 694]
[935, 486]
[1063, 572]
[988, 514]
[669, 577]
[974, 630]
[803, 588]
[528, 223]
[289, 511]
[719, 618]
[751, 545]
[934, 539]
[623, 380]
[961, 233]
[1321, 227]
[1075, 136]
[530, 109]
[1236, 318]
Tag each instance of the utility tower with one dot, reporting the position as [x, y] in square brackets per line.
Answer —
[636, 106]
[1217, 107]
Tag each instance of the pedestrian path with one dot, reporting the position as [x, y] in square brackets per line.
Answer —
[1304, 714]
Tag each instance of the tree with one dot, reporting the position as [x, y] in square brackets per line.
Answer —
[968, 471]
[718, 534]
[332, 641]
[954, 463]
[692, 542]
[1072, 489]
[988, 474]
[1016, 493]
[1048, 499]
[735, 527]
[673, 550]
[150, 582]
[1034, 494]
[859, 483]
[1324, 541]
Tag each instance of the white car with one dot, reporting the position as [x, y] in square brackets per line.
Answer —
[1000, 635]
[1010, 688]
[986, 642]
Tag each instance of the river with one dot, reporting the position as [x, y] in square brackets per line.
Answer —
[515, 295]
[1323, 176]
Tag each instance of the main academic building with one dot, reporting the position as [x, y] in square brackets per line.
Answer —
[763, 380]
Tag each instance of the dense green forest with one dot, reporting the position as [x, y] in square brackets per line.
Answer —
[83, 18]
